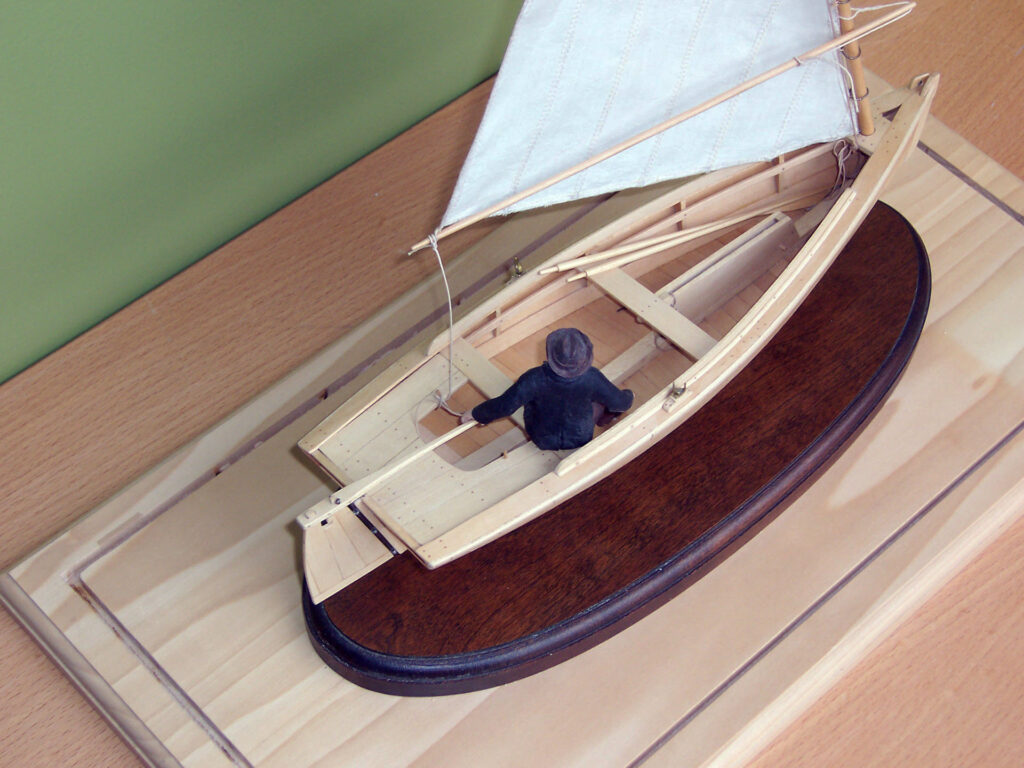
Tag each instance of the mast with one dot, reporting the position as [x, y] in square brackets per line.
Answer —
[847, 40]
[852, 52]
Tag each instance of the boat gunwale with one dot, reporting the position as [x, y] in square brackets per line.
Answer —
[843, 214]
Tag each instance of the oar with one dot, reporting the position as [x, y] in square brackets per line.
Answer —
[589, 258]
[681, 237]
[358, 489]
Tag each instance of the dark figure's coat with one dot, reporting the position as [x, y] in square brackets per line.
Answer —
[558, 411]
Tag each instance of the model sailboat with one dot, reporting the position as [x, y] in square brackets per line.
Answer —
[679, 283]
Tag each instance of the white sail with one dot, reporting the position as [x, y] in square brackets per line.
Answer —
[580, 76]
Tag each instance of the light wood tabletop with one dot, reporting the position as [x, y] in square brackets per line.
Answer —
[944, 689]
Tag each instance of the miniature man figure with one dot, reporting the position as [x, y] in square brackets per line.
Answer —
[562, 398]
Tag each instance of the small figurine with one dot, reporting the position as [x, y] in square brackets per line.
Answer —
[563, 398]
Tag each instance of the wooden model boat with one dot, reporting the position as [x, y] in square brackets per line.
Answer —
[679, 286]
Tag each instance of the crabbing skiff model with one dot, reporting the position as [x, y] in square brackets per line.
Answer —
[679, 284]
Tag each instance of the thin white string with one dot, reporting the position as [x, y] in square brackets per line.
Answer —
[842, 151]
[854, 11]
[834, 62]
[442, 400]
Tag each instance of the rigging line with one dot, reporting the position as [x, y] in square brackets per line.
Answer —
[842, 151]
[909, 4]
[855, 10]
[838, 42]
[833, 61]
[442, 400]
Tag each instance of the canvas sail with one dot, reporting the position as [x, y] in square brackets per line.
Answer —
[580, 76]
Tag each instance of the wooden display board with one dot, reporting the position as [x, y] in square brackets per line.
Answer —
[175, 605]
[943, 689]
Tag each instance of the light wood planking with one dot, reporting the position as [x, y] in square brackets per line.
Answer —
[384, 440]
[699, 292]
[658, 314]
[343, 540]
[746, 338]
[483, 374]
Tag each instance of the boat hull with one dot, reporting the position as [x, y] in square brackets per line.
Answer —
[602, 560]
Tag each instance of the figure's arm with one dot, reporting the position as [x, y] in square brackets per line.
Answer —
[611, 397]
[498, 407]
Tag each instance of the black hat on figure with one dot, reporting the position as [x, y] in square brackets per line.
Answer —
[570, 352]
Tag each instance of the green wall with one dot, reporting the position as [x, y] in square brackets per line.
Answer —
[136, 137]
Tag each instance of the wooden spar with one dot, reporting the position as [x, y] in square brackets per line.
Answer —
[635, 245]
[665, 242]
[360, 488]
[612, 260]
[843, 40]
[852, 52]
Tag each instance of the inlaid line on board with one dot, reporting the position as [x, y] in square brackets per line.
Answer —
[970, 182]
[186, 702]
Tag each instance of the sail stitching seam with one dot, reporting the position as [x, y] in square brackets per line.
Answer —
[550, 99]
[731, 114]
[681, 79]
[634, 31]
[797, 93]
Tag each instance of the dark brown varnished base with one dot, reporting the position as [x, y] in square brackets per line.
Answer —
[618, 550]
